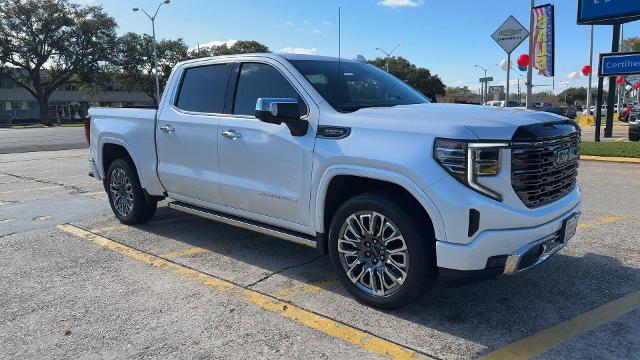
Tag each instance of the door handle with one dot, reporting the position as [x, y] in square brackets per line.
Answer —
[167, 129]
[231, 134]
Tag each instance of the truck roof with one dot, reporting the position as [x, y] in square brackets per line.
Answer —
[286, 56]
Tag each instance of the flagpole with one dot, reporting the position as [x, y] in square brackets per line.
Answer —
[530, 70]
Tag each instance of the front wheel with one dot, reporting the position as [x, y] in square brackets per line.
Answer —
[382, 254]
[128, 201]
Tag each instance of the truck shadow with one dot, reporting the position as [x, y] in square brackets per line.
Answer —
[491, 313]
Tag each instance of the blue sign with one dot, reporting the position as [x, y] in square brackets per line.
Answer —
[619, 64]
[608, 11]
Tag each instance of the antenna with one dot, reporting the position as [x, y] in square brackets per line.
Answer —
[339, 55]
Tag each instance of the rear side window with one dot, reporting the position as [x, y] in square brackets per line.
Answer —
[203, 88]
[261, 81]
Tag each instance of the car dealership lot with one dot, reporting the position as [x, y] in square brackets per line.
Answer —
[76, 283]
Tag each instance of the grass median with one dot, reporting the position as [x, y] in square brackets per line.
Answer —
[611, 149]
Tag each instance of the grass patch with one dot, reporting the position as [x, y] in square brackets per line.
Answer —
[611, 149]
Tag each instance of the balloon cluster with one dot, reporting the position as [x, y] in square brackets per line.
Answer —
[523, 62]
[619, 80]
[637, 85]
[586, 70]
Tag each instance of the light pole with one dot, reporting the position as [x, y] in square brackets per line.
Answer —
[485, 85]
[390, 53]
[566, 89]
[155, 49]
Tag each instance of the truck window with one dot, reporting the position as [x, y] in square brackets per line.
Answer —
[203, 88]
[261, 81]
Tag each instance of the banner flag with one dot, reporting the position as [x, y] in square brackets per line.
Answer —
[543, 39]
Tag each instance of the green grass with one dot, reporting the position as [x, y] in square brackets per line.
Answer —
[617, 149]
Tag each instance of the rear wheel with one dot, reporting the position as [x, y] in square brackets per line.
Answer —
[128, 201]
[382, 254]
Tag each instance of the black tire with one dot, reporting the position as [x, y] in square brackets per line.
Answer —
[421, 272]
[634, 137]
[143, 207]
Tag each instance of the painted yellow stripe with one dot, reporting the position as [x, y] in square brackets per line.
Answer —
[294, 291]
[611, 159]
[317, 322]
[547, 339]
[36, 189]
[609, 219]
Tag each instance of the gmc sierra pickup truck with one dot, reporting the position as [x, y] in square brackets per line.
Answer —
[343, 157]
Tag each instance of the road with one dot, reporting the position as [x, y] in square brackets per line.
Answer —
[75, 283]
[619, 133]
[40, 139]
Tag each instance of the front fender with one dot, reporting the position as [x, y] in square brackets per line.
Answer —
[376, 174]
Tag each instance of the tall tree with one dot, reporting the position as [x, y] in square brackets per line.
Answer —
[461, 91]
[54, 42]
[631, 44]
[418, 77]
[239, 47]
[134, 61]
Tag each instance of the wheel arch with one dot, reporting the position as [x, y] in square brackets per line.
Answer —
[114, 148]
[327, 200]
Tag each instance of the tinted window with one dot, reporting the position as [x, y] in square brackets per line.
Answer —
[203, 88]
[261, 81]
[350, 86]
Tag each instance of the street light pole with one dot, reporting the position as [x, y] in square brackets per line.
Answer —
[155, 48]
[484, 85]
[388, 54]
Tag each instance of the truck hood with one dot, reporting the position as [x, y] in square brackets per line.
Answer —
[486, 122]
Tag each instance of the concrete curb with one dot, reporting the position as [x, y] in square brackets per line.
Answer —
[627, 160]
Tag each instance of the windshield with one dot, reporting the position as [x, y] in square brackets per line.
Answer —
[350, 86]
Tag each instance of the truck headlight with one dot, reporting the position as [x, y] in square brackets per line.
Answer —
[468, 160]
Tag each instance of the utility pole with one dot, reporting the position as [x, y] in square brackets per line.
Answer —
[590, 74]
[155, 48]
[611, 96]
[621, 86]
[531, 54]
[388, 54]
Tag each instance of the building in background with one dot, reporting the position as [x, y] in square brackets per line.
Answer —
[18, 106]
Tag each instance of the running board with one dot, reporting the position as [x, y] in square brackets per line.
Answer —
[298, 238]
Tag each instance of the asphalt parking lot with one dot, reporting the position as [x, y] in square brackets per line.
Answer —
[74, 283]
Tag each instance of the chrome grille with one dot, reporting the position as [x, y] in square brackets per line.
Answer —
[544, 171]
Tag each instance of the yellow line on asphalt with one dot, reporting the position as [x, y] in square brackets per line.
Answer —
[294, 291]
[611, 159]
[36, 189]
[619, 139]
[314, 321]
[610, 219]
[549, 338]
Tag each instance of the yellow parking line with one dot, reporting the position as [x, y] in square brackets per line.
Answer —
[314, 321]
[36, 189]
[294, 291]
[620, 139]
[549, 338]
[609, 219]
[611, 159]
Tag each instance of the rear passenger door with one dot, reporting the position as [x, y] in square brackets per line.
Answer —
[187, 134]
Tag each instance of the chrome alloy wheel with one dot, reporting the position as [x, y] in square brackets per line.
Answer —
[373, 253]
[121, 192]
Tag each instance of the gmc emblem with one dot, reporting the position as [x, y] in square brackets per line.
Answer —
[562, 156]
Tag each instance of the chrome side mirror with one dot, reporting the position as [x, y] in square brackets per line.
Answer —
[282, 110]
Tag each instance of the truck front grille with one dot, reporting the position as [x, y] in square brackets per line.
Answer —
[544, 171]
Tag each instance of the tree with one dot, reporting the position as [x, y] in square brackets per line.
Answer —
[239, 47]
[631, 44]
[460, 91]
[135, 62]
[418, 77]
[54, 42]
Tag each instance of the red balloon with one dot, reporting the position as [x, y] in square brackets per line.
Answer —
[637, 85]
[523, 60]
[619, 80]
[586, 70]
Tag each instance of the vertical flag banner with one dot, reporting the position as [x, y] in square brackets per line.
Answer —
[543, 39]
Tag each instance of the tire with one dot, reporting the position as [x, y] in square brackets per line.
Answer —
[634, 137]
[418, 257]
[123, 183]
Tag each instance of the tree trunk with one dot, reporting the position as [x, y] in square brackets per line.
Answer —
[44, 110]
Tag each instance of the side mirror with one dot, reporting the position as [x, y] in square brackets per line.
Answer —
[282, 110]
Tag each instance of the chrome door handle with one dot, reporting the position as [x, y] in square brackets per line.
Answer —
[167, 129]
[231, 134]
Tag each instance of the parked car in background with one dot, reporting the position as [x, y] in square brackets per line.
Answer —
[352, 162]
[502, 103]
[634, 123]
[624, 116]
[569, 111]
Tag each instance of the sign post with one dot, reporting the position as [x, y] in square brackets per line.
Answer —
[509, 36]
[485, 82]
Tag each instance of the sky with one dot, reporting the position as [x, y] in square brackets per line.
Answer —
[448, 37]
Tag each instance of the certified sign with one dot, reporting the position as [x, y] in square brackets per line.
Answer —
[510, 34]
[619, 64]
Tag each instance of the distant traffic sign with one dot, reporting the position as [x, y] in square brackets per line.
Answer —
[486, 79]
[496, 89]
[510, 34]
[619, 64]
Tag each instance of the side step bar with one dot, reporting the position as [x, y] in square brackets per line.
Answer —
[270, 230]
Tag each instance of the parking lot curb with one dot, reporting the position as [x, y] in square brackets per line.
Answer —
[610, 159]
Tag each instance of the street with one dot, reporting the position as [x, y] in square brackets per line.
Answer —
[41, 139]
[77, 283]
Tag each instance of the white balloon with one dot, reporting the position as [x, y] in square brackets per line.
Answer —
[628, 87]
[504, 65]
[574, 75]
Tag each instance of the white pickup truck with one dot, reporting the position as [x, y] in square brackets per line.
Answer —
[343, 157]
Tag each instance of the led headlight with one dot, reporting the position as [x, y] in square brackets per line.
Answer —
[466, 161]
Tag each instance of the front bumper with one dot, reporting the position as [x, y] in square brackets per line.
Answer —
[504, 249]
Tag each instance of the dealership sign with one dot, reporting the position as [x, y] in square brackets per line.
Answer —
[510, 34]
[619, 64]
[608, 11]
